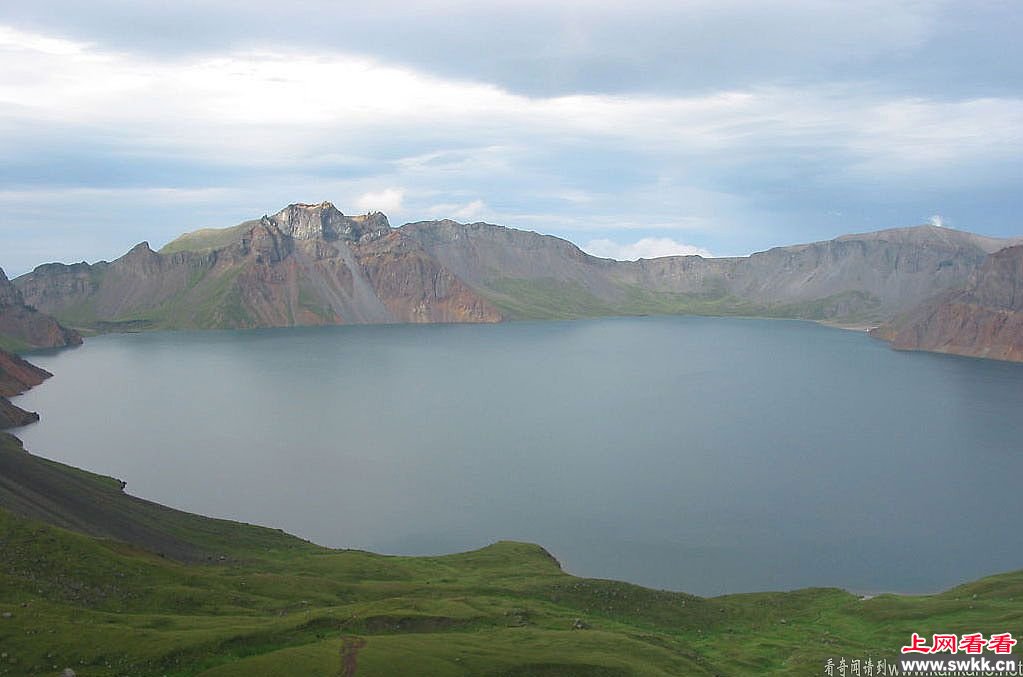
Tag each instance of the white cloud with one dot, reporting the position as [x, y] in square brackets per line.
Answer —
[47, 196]
[468, 211]
[23, 41]
[937, 220]
[286, 107]
[646, 248]
[389, 201]
[296, 120]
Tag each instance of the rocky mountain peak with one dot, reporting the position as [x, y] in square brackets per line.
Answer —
[141, 249]
[324, 220]
[371, 222]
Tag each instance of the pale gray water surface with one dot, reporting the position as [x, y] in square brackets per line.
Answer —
[698, 454]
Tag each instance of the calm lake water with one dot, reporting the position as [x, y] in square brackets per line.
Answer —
[697, 454]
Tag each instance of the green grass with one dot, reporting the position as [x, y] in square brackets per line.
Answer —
[545, 299]
[205, 301]
[550, 299]
[13, 345]
[254, 601]
[850, 307]
[205, 239]
[307, 300]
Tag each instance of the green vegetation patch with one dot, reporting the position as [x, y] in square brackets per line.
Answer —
[206, 239]
[545, 299]
[311, 302]
[13, 345]
[849, 306]
[551, 299]
[238, 599]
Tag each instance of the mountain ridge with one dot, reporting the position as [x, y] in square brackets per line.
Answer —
[857, 277]
[305, 265]
[311, 264]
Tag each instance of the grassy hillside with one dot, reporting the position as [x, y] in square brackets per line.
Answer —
[551, 299]
[231, 599]
[206, 239]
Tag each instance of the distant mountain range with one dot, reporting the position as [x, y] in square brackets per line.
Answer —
[310, 264]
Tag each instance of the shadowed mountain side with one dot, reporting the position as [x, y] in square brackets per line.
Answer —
[17, 376]
[91, 504]
[22, 327]
[983, 320]
[13, 416]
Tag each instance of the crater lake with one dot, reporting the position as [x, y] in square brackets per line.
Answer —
[699, 454]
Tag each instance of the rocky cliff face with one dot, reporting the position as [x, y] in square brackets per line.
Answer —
[325, 221]
[305, 265]
[23, 327]
[855, 278]
[17, 376]
[985, 319]
[311, 264]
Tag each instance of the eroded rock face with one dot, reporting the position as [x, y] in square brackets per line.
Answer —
[305, 265]
[25, 326]
[311, 264]
[17, 376]
[12, 416]
[983, 320]
[415, 287]
[324, 220]
[864, 277]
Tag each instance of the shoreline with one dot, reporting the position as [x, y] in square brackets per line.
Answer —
[865, 594]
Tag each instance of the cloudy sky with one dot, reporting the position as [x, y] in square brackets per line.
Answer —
[633, 129]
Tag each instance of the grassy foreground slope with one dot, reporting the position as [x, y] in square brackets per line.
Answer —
[224, 599]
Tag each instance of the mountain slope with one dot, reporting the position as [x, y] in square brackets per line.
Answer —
[22, 327]
[867, 277]
[106, 584]
[311, 264]
[985, 319]
[305, 265]
[100, 582]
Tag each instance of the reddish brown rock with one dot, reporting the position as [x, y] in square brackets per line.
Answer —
[12, 416]
[983, 320]
[415, 287]
[25, 326]
[305, 265]
[17, 376]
